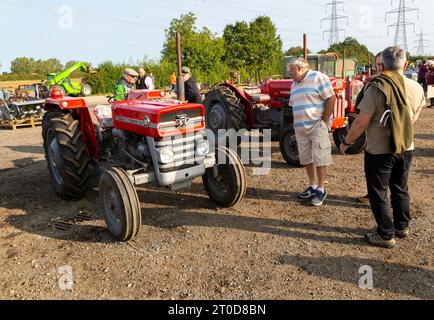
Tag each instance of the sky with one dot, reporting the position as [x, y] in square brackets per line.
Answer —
[129, 30]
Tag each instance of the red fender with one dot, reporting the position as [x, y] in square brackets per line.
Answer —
[79, 110]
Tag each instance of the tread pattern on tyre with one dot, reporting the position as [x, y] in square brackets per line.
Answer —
[233, 104]
[73, 150]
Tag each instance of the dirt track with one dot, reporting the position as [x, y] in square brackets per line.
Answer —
[271, 246]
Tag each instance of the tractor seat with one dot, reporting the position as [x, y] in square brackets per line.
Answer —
[256, 96]
[103, 114]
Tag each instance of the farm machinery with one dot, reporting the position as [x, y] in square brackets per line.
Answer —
[62, 82]
[143, 139]
[26, 102]
[267, 106]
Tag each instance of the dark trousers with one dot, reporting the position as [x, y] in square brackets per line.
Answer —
[383, 172]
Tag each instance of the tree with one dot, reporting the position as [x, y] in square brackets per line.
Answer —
[237, 44]
[48, 66]
[23, 65]
[353, 49]
[296, 51]
[254, 46]
[202, 50]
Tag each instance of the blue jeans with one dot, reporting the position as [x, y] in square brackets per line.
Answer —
[383, 172]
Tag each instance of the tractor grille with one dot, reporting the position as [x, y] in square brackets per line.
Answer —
[184, 151]
[180, 119]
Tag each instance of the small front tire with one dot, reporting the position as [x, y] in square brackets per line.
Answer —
[226, 183]
[120, 204]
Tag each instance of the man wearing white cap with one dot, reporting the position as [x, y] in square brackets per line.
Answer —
[192, 93]
[125, 84]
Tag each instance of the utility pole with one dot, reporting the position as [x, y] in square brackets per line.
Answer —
[401, 24]
[334, 19]
[421, 43]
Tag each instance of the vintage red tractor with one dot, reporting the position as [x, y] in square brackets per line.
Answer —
[144, 139]
[266, 106]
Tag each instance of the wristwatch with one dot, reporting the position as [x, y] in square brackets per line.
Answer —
[345, 143]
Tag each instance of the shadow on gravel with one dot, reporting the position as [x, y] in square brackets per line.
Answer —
[424, 136]
[176, 211]
[401, 279]
[424, 152]
[27, 149]
[276, 195]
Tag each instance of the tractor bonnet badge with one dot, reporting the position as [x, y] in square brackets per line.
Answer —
[181, 120]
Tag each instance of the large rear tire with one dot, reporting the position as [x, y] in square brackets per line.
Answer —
[226, 184]
[120, 204]
[66, 154]
[224, 110]
[288, 147]
[340, 134]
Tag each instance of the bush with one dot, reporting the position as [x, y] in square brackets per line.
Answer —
[105, 80]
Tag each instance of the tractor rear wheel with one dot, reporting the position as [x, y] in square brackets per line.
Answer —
[226, 183]
[340, 134]
[120, 204]
[288, 147]
[86, 90]
[66, 154]
[224, 110]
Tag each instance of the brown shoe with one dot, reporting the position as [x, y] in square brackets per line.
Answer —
[401, 234]
[376, 240]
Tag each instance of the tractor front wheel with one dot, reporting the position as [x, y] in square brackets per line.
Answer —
[86, 90]
[288, 146]
[226, 182]
[66, 154]
[340, 134]
[120, 204]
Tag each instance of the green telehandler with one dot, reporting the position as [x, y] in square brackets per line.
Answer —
[61, 81]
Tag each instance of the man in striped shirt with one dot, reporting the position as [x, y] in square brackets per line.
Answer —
[313, 100]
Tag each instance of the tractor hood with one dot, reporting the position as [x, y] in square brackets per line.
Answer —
[158, 119]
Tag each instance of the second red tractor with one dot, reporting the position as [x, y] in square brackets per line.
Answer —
[267, 106]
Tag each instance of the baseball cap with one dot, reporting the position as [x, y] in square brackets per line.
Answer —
[185, 70]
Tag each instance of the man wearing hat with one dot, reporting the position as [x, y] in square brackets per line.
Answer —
[125, 84]
[192, 93]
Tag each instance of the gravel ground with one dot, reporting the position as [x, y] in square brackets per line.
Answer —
[270, 246]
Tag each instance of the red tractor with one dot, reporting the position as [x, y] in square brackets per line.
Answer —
[144, 139]
[266, 106]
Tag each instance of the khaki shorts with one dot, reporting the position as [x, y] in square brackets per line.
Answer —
[316, 148]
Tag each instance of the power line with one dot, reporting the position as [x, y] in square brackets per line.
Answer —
[401, 24]
[334, 19]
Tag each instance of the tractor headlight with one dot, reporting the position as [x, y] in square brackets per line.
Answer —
[202, 148]
[166, 155]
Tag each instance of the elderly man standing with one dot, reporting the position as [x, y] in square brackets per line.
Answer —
[125, 84]
[390, 106]
[313, 100]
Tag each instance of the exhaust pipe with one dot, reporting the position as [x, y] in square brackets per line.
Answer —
[180, 90]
